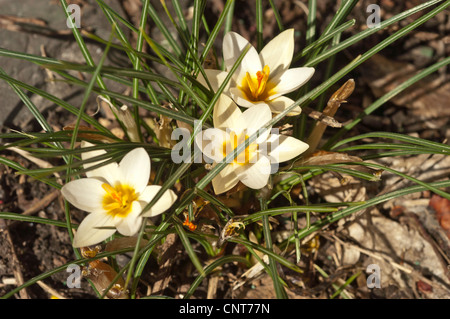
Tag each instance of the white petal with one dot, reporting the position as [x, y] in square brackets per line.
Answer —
[278, 53]
[281, 103]
[163, 203]
[226, 114]
[88, 232]
[215, 78]
[233, 45]
[256, 175]
[255, 118]
[225, 180]
[109, 172]
[290, 80]
[130, 225]
[283, 148]
[85, 194]
[210, 142]
[135, 169]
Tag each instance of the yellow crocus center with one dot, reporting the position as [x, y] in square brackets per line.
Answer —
[233, 142]
[118, 200]
[255, 86]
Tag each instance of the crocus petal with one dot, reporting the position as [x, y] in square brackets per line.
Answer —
[215, 78]
[225, 180]
[283, 148]
[130, 225]
[290, 80]
[108, 172]
[90, 232]
[86, 194]
[233, 45]
[135, 169]
[227, 115]
[255, 175]
[210, 142]
[281, 103]
[256, 117]
[278, 53]
[163, 203]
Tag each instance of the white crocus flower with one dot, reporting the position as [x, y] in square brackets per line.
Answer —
[262, 78]
[253, 165]
[114, 195]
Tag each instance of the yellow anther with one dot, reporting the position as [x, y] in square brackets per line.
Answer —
[256, 86]
[112, 192]
[118, 199]
[232, 143]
